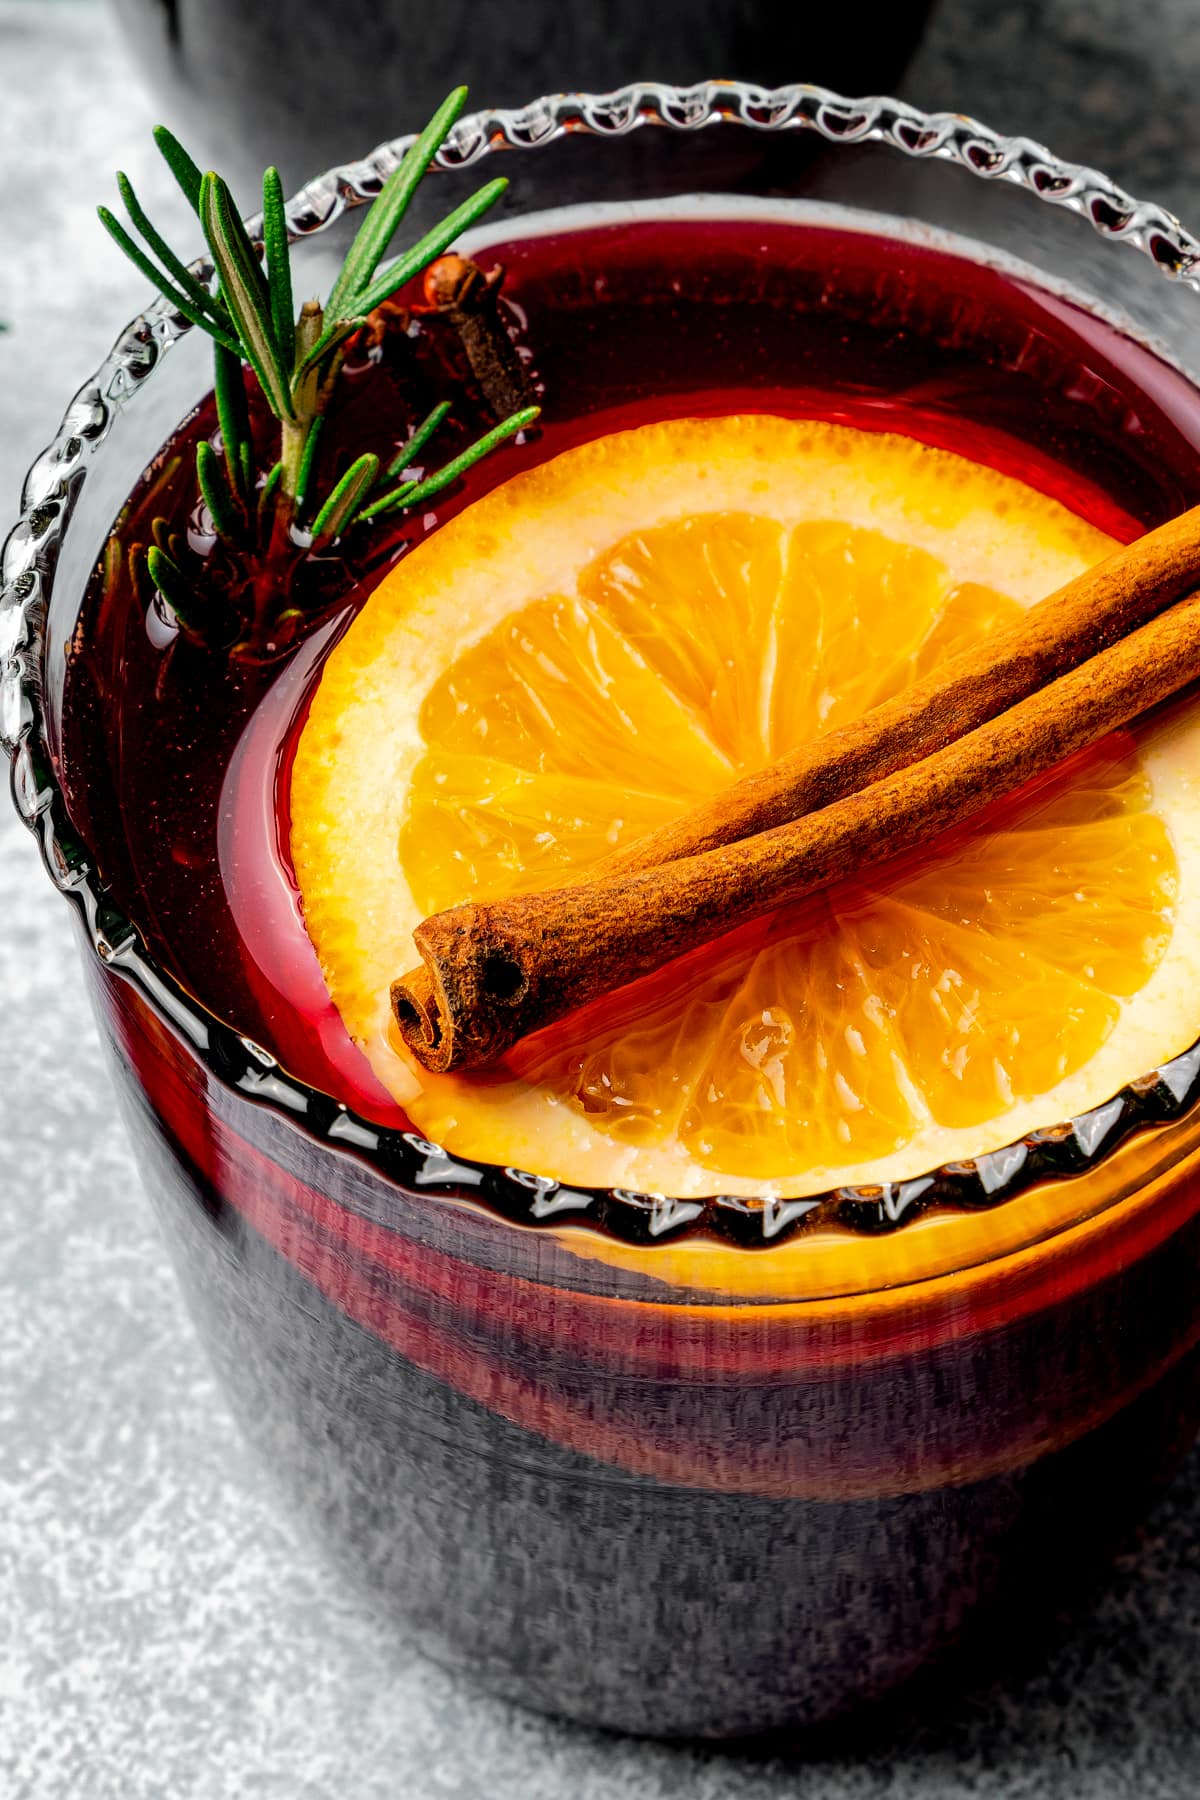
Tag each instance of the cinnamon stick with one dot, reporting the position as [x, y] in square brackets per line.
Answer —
[1070, 625]
[493, 972]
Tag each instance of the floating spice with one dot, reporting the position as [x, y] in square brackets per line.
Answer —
[469, 300]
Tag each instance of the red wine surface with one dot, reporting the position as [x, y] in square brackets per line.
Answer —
[175, 767]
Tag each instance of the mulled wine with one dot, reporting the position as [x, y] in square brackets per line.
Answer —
[625, 324]
[679, 1487]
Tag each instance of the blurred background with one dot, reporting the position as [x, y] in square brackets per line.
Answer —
[232, 72]
[162, 1637]
[307, 83]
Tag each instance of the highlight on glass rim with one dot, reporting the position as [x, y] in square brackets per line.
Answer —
[606, 669]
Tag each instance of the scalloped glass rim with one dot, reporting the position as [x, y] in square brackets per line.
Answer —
[27, 564]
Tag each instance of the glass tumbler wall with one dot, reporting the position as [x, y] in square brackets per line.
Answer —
[673, 1466]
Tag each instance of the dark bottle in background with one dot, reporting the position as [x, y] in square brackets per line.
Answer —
[309, 83]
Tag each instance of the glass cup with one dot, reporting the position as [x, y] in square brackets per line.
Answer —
[680, 1467]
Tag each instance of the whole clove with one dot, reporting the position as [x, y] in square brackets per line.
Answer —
[469, 300]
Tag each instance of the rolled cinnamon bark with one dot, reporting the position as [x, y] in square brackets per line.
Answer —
[494, 972]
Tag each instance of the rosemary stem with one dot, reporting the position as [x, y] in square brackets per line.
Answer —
[293, 438]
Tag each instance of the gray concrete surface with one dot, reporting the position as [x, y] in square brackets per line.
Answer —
[161, 1636]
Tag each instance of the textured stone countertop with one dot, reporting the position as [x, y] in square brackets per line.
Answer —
[162, 1634]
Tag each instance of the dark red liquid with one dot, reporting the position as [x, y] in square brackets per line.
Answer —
[175, 767]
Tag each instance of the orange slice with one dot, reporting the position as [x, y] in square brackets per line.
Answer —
[604, 640]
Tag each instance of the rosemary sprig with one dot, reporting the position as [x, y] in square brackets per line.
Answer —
[248, 310]
[345, 499]
[415, 493]
[205, 317]
[304, 478]
[409, 452]
[246, 293]
[216, 491]
[279, 268]
[185, 171]
[173, 264]
[233, 417]
[267, 493]
[369, 247]
[174, 587]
